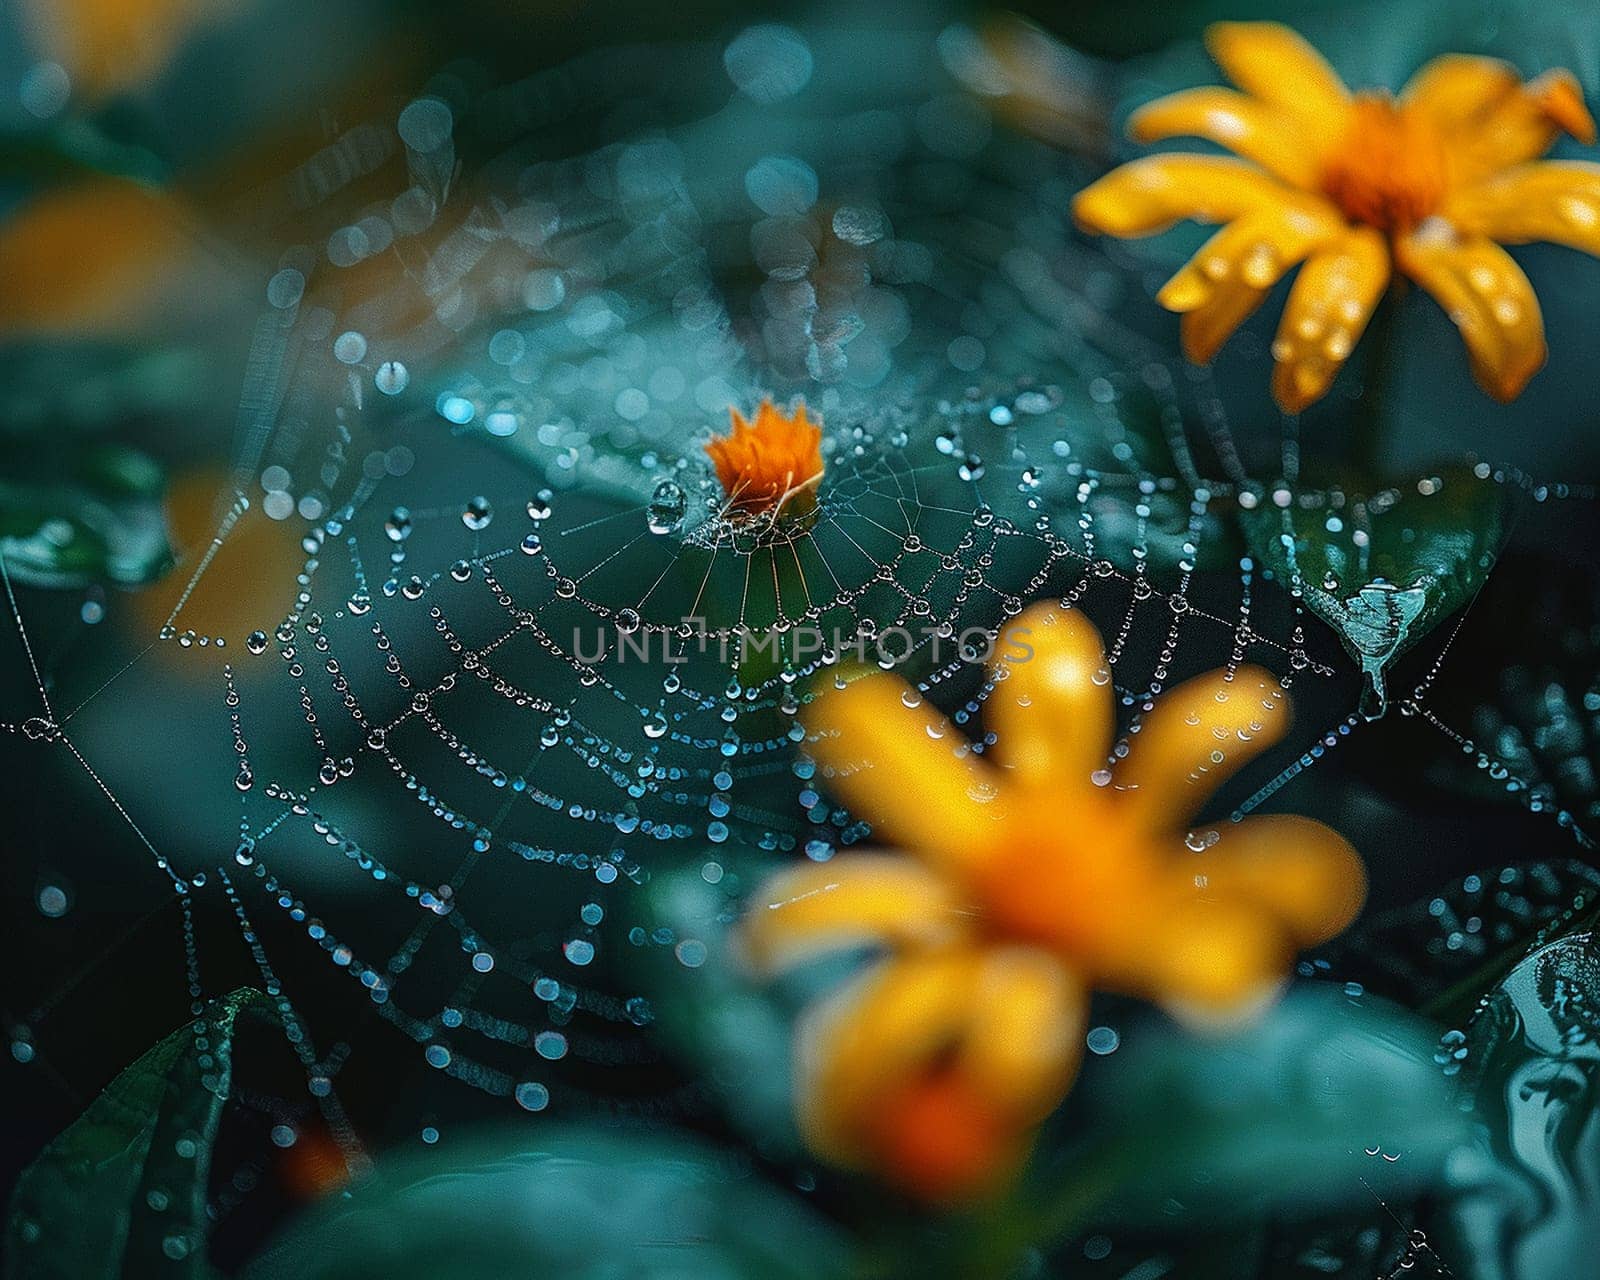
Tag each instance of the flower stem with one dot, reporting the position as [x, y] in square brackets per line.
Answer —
[1383, 362]
[996, 1248]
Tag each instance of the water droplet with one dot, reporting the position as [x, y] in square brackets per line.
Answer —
[668, 506]
[391, 377]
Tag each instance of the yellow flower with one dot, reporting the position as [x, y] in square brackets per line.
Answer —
[771, 466]
[1031, 874]
[99, 258]
[1357, 187]
[113, 46]
[222, 605]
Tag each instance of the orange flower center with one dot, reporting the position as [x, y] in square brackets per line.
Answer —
[1076, 900]
[1389, 169]
[942, 1139]
[771, 465]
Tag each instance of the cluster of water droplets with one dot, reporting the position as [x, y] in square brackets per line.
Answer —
[513, 675]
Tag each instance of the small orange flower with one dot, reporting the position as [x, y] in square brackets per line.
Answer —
[772, 466]
[1356, 187]
[1031, 874]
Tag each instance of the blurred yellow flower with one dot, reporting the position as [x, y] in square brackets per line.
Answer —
[224, 602]
[97, 258]
[111, 46]
[1031, 874]
[1357, 187]
[771, 465]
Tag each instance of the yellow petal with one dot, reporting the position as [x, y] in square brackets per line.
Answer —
[862, 1042]
[1489, 120]
[851, 900]
[1197, 736]
[897, 762]
[1303, 872]
[1230, 277]
[1523, 125]
[1204, 330]
[256, 548]
[1034, 83]
[89, 259]
[1327, 312]
[1214, 964]
[1254, 250]
[1149, 195]
[1025, 1039]
[112, 45]
[1559, 97]
[1276, 65]
[1454, 90]
[932, 1069]
[1554, 200]
[1487, 297]
[1052, 713]
[1243, 125]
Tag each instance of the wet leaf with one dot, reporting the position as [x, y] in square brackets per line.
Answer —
[1483, 953]
[585, 1202]
[1284, 1114]
[734, 1031]
[1532, 1062]
[90, 514]
[122, 1191]
[1382, 571]
[1326, 1101]
[1442, 952]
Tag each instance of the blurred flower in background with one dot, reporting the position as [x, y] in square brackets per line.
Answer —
[103, 48]
[132, 279]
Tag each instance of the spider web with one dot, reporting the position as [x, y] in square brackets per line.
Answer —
[479, 391]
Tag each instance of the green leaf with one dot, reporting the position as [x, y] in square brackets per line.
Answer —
[1282, 1114]
[733, 1032]
[73, 147]
[1382, 571]
[587, 1202]
[1532, 1060]
[1290, 1118]
[122, 1191]
[1442, 952]
[58, 389]
[92, 513]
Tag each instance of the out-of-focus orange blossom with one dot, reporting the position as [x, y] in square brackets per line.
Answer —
[226, 602]
[108, 46]
[96, 258]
